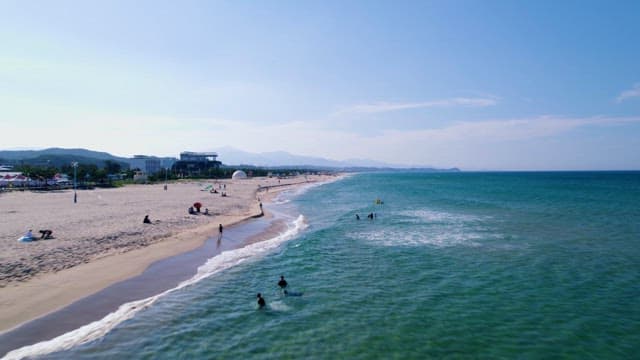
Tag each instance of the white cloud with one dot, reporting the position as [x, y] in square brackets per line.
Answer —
[447, 146]
[514, 129]
[492, 144]
[379, 107]
[628, 94]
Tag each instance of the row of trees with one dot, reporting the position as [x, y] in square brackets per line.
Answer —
[92, 173]
[84, 172]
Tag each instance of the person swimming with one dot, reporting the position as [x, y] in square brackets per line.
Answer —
[282, 283]
[261, 302]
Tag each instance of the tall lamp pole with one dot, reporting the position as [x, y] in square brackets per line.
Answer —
[75, 173]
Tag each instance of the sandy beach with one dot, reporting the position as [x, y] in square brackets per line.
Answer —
[101, 239]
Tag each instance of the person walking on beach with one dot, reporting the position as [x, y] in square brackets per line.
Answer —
[282, 283]
[261, 302]
[219, 235]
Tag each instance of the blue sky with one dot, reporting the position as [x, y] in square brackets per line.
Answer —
[500, 85]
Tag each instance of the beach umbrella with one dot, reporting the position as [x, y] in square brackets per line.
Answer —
[197, 205]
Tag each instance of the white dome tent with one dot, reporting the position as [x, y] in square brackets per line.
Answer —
[239, 174]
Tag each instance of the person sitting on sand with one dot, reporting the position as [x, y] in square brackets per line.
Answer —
[261, 302]
[282, 283]
[146, 220]
[46, 234]
[206, 211]
[191, 211]
[29, 234]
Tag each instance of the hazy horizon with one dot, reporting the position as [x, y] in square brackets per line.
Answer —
[476, 85]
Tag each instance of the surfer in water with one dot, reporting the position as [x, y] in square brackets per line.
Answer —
[261, 302]
[282, 283]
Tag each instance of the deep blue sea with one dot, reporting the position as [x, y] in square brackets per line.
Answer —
[454, 265]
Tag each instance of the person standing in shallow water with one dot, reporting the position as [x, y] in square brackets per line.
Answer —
[261, 302]
[219, 235]
[282, 283]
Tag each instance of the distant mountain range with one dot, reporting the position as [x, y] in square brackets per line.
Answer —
[233, 156]
[83, 153]
[227, 155]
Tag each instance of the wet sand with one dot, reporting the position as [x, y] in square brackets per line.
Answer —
[65, 300]
[103, 241]
[160, 276]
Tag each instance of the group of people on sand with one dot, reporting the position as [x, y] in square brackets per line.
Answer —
[196, 211]
[283, 286]
[222, 193]
[220, 186]
[44, 234]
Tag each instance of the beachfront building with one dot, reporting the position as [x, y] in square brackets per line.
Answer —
[196, 163]
[140, 177]
[146, 164]
[61, 179]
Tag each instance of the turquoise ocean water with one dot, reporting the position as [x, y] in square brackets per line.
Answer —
[459, 265]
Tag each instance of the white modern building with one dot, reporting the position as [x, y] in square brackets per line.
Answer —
[146, 164]
[198, 156]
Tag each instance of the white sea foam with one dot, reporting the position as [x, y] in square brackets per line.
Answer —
[281, 199]
[99, 328]
[417, 237]
[427, 215]
[285, 196]
[279, 306]
[427, 227]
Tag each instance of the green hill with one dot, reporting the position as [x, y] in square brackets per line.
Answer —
[58, 157]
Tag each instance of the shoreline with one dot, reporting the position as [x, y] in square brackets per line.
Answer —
[47, 293]
[160, 276]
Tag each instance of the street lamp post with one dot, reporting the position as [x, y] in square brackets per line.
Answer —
[75, 173]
